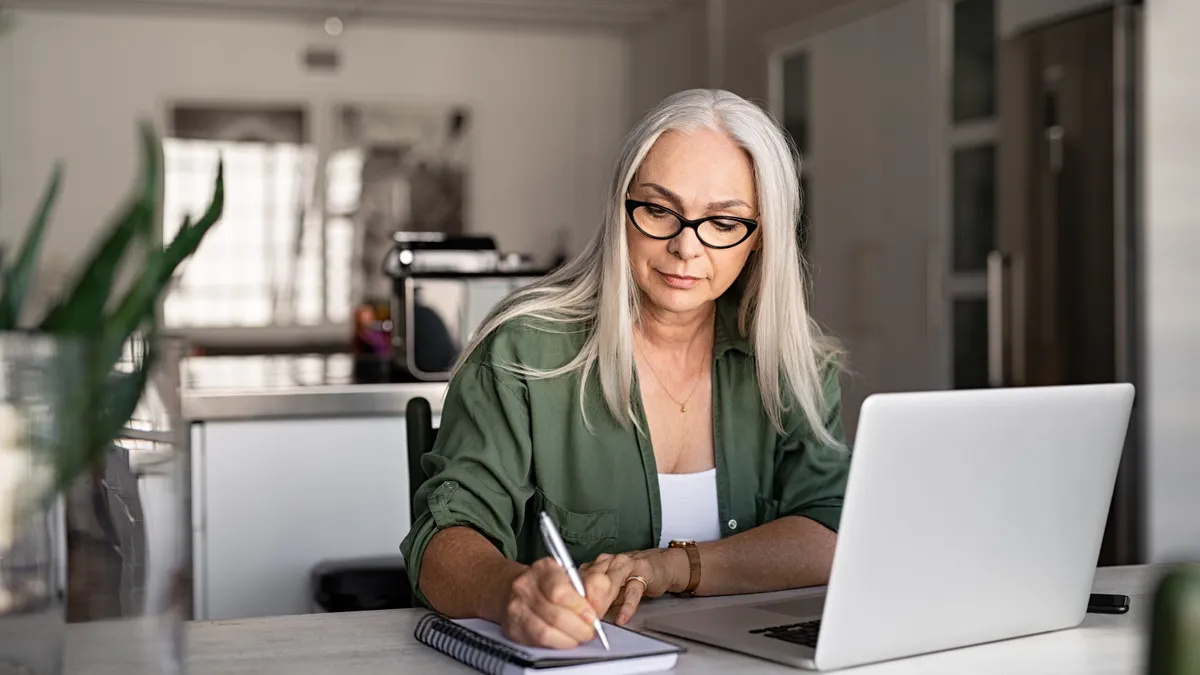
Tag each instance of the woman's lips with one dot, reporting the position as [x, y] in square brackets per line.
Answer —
[679, 281]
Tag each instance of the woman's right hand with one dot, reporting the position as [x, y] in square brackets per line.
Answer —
[545, 610]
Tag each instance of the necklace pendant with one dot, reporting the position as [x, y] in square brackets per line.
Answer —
[683, 408]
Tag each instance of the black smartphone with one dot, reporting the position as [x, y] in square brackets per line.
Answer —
[1101, 603]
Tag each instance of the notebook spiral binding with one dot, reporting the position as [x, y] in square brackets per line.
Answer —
[481, 653]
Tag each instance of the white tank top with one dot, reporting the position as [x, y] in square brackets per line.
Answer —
[689, 506]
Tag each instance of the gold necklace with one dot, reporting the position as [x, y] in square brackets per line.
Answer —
[682, 404]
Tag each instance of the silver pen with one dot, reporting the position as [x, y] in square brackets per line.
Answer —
[558, 549]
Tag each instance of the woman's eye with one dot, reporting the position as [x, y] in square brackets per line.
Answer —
[727, 225]
[657, 211]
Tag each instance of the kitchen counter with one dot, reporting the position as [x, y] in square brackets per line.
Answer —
[274, 387]
[293, 463]
[351, 400]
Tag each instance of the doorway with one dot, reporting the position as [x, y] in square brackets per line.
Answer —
[1061, 281]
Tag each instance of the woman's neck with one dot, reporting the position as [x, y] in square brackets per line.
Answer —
[677, 336]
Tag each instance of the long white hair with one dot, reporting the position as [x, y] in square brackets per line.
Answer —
[596, 291]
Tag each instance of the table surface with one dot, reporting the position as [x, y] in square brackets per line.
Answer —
[382, 642]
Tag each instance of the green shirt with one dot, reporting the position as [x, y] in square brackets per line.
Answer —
[510, 446]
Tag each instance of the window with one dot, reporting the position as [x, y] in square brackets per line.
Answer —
[261, 264]
[305, 225]
[971, 155]
[969, 331]
[974, 207]
[794, 112]
[975, 74]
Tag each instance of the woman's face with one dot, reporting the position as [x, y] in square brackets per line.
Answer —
[696, 174]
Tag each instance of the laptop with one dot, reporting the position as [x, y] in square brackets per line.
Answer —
[969, 517]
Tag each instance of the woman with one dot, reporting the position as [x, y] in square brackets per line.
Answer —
[664, 397]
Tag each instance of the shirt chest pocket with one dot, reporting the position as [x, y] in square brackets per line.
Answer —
[587, 534]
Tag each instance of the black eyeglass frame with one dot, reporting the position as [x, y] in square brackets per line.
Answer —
[632, 205]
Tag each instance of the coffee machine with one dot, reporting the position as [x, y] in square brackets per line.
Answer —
[443, 287]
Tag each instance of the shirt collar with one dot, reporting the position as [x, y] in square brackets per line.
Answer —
[726, 334]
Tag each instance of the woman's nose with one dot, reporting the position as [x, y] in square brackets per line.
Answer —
[686, 244]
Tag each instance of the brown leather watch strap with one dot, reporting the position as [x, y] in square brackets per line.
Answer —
[693, 554]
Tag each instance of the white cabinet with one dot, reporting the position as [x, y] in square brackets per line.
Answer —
[272, 498]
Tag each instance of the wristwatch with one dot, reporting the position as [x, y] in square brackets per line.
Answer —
[693, 555]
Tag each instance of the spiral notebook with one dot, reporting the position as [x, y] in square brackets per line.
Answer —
[481, 645]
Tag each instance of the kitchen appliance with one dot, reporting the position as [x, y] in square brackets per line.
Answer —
[443, 286]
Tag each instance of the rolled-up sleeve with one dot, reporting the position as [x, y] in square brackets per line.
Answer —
[810, 474]
[479, 468]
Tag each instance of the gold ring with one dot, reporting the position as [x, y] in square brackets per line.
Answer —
[638, 578]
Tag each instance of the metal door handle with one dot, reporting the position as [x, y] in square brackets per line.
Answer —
[997, 273]
[1052, 129]
[1054, 143]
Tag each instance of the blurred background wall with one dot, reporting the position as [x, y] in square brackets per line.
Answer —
[1172, 281]
[549, 104]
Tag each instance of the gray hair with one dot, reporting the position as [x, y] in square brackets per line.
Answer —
[596, 290]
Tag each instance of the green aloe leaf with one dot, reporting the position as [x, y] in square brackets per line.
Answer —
[140, 300]
[84, 306]
[72, 421]
[18, 277]
[95, 401]
[98, 415]
[121, 394]
[188, 239]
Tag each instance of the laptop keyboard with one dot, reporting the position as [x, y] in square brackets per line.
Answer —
[798, 633]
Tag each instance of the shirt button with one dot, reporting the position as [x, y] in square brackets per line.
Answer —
[732, 524]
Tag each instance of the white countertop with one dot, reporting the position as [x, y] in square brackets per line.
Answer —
[225, 388]
[382, 642]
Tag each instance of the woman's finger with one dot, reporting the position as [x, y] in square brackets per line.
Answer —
[619, 568]
[554, 610]
[601, 591]
[635, 588]
[598, 566]
[531, 629]
[546, 610]
[601, 562]
[555, 585]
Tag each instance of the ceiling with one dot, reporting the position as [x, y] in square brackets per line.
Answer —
[614, 14]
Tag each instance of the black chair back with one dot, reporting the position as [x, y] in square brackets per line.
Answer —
[418, 417]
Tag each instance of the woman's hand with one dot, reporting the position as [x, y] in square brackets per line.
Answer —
[649, 573]
[545, 610]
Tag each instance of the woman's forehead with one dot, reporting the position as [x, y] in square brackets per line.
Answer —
[703, 163]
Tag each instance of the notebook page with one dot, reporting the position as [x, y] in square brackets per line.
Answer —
[625, 643]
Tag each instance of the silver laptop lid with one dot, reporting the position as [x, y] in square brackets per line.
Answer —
[969, 517]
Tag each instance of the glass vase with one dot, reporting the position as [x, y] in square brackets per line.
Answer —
[92, 570]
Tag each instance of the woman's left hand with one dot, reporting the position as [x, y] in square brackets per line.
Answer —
[635, 575]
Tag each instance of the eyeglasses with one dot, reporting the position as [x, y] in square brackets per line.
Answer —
[659, 222]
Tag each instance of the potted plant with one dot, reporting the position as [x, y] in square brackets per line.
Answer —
[1174, 647]
[63, 397]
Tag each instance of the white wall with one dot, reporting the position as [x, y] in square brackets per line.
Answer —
[872, 181]
[752, 27]
[1015, 16]
[667, 56]
[549, 107]
[1171, 247]
[7, 140]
